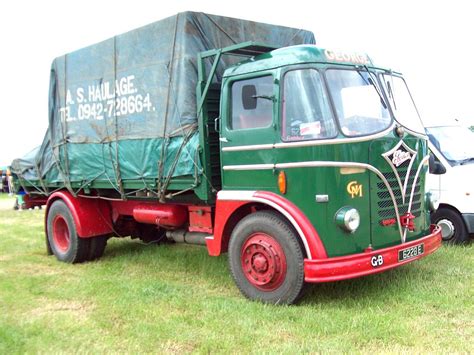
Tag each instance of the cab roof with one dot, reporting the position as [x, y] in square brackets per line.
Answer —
[299, 54]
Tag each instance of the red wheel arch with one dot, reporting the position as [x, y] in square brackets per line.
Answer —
[231, 202]
[91, 216]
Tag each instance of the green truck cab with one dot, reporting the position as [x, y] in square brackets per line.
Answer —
[331, 132]
[312, 168]
[325, 123]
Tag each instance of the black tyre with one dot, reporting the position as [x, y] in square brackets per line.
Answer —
[453, 229]
[266, 259]
[97, 247]
[62, 235]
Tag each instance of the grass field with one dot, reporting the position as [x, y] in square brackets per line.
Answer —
[174, 298]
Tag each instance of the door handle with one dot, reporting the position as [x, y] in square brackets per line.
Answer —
[223, 139]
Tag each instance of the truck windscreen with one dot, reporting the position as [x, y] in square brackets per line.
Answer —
[306, 113]
[358, 104]
[401, 102]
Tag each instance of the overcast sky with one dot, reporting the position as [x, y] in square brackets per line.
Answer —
[431, 42]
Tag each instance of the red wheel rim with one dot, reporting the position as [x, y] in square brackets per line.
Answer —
[263, 262]
[61, 233]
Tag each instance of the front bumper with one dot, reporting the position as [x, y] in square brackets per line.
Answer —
[371, 262]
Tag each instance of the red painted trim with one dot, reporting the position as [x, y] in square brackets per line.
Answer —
[33, 201]
[315, 245]
[168, 216]
[124, 208]
[200, 219]
[91, 216]
[147, 212]
[224, 210]
[348, 267]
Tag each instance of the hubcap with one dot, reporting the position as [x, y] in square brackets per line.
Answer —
[447, 228]
[61, 235]
[263, 262]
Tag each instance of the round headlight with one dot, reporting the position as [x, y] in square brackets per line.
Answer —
[348, 219]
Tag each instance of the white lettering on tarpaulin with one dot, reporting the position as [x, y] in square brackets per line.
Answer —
[80, 95]
[69, 100]
[108, 99]
[338, 56]
[106, 91]
[399, 157]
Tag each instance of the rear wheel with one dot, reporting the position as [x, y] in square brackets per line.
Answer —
[453, 229]
[65, 244]
[97, 247]
[266, 259]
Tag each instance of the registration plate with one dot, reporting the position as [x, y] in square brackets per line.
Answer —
[410, 253]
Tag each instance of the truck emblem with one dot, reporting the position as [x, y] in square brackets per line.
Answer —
[396, 157]
[354, 189]
[399, 157]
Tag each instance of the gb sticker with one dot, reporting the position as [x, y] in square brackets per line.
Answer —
[377, 260]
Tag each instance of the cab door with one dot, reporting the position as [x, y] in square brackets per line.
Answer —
[248, 131]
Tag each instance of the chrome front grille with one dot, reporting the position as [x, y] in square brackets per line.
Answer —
[386, 209]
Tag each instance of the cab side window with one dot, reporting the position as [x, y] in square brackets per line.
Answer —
[252, 103]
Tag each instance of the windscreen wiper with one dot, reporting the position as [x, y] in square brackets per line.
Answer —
[370, 81]
[391, 92]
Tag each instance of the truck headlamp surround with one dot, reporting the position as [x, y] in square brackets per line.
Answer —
[348, 219]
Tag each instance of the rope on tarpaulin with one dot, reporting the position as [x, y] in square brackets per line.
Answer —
[118, 175]
[41, 181]
[220, 28]
[64, 133]
[56, 148]
[160, 188]
[183, 129]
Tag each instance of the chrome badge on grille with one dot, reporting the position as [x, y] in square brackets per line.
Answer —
[400, 156]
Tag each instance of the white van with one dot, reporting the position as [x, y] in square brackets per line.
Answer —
[453, 147]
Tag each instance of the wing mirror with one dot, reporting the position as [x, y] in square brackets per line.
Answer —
[436, 168]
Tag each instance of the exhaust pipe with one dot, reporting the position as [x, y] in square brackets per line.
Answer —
[183, 236]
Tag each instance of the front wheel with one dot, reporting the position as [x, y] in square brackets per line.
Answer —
[266, 259]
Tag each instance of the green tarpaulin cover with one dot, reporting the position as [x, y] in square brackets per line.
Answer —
[120, 107]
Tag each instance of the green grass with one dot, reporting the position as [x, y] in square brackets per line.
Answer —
[175, 298]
